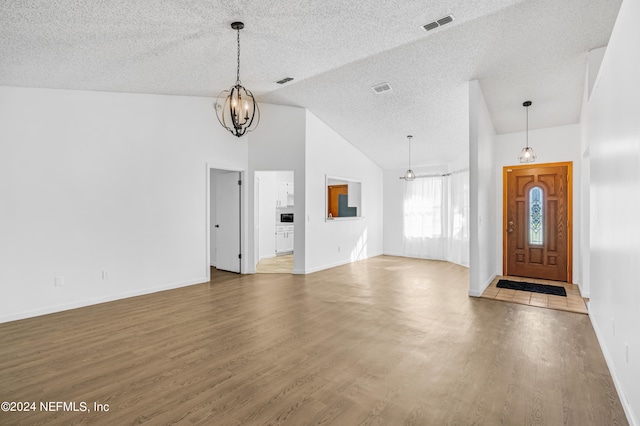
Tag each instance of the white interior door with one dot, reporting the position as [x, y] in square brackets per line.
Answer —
[227, 226]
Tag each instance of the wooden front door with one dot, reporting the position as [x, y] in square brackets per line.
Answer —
[537, 221]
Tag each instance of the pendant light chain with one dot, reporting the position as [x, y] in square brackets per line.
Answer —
[527, 155]
[527, 127]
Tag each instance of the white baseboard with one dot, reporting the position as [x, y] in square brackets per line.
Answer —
[474, 293]
[391, 253]
[422, 257]
[628, 410]
[328, 266]
[418, 257]
[95, 301]
[584, 294]
[335, 264]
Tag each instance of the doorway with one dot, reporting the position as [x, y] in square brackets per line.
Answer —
[537, 221]
[225, 230]
[274, 221]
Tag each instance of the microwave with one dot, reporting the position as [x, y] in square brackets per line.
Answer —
[286, 217]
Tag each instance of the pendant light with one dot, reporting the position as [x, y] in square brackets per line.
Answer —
[236, 108]
[527, 155]
[409, 175]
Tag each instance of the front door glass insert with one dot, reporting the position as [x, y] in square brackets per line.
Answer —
[536, 216]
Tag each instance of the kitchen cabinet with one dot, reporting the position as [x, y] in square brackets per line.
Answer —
[284, 239]
[285, 194]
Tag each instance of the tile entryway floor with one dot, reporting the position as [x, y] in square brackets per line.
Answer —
[572, 303]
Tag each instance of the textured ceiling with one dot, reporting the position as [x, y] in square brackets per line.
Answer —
[336, 50]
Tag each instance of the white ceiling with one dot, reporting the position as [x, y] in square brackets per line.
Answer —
[336, 50]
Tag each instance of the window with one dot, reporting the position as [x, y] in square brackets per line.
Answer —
[343, 198]
[436, 217]
[423, 208]
[536, 216]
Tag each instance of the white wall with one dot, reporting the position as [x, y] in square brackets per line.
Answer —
[267, 210]
[594, 61]
[613, 136]
[482, 171]
[278, 143]
[551, 145]
[94, 182]
[331, 243]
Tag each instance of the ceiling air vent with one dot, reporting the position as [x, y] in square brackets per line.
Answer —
[438, 23]
[445, 20]
[383, 87]
[284, 80]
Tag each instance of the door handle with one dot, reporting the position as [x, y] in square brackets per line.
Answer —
[510, 223]
[510, 230]
[217, 226]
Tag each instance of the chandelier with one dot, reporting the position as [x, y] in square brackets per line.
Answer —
[236, 108]
[527, 155]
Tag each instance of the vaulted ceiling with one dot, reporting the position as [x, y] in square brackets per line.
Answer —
[335, 50]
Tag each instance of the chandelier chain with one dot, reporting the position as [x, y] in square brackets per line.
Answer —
[238, 69]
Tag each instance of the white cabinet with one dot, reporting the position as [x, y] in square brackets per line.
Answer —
[290, 196]
[282, 195]
[284, 239]
[285, 194]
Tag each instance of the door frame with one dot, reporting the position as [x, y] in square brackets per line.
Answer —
[241, 236]
[569, 165]
[258, 213]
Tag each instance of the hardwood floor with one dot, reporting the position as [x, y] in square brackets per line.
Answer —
[276, 265]
[387, 340]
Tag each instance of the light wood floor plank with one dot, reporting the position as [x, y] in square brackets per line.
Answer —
[276, 265]
[387, 340]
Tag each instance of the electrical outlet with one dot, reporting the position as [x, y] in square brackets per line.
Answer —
[58, 281]
[105, 275]
[338, 249]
